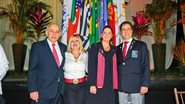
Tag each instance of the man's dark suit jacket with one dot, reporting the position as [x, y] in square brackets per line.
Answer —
[44, 75]
[133, 70]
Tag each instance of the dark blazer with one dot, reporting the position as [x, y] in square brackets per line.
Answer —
[44, 75]
[93, 60]
[133, 70]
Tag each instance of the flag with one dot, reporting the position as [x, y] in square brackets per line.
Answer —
[88, 18]
[103, 15]
[97, 8]
[83, 28]
[66, 13]
[93, 33]
[75, 16]
[111, 19]
[120, 16]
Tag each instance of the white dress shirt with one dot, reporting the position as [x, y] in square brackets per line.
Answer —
[57, 49]
[74, 69]
[3, 66]
[128, 44]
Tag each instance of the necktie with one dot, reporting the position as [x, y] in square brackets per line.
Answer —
[55, 55]
[124, 49]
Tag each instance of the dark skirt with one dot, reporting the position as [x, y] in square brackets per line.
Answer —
[103, 96]
[75, 94]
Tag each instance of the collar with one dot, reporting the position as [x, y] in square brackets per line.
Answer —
[50, 43]
[130, 40]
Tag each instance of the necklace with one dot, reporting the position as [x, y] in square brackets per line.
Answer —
[106, 46]
[76, 56]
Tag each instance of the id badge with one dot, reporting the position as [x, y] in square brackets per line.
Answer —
[134, 54]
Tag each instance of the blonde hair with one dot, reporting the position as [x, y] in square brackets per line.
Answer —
[69, 43]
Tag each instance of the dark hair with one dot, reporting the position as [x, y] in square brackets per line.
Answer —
[104, 29]
[124, 23]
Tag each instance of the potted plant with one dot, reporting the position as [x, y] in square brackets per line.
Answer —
[179, 49]
[141, 25]
[39, 20]
[182, 8]
[159, 11]
[17, 13]
[179, 54]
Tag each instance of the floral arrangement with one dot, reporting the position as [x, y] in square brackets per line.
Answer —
[141, 24]
[179, 52]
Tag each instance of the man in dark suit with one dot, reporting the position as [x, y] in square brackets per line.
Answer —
[45, 72]
[133, 67]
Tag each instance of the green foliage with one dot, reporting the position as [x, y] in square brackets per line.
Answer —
[18, 14]
[179, 52]
[39, 20]
[160, 8]
[159, 11]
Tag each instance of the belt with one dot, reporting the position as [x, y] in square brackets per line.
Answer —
[75, 81]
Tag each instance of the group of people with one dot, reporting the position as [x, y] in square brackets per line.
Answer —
[104, 74]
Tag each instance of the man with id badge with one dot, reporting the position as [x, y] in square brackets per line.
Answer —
[133, 67]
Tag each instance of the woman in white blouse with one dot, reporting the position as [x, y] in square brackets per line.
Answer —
[75, 69]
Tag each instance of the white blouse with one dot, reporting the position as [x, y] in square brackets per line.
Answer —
[74, 69]
[3, 66]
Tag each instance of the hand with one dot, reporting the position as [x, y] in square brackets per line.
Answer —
[93, 90]
[143, 90]
[34, 96]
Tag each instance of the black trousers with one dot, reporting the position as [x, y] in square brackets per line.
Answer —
[2, 100]
[75, 93]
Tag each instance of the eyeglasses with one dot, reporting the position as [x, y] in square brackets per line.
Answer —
[52, 31]
[129, 29]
